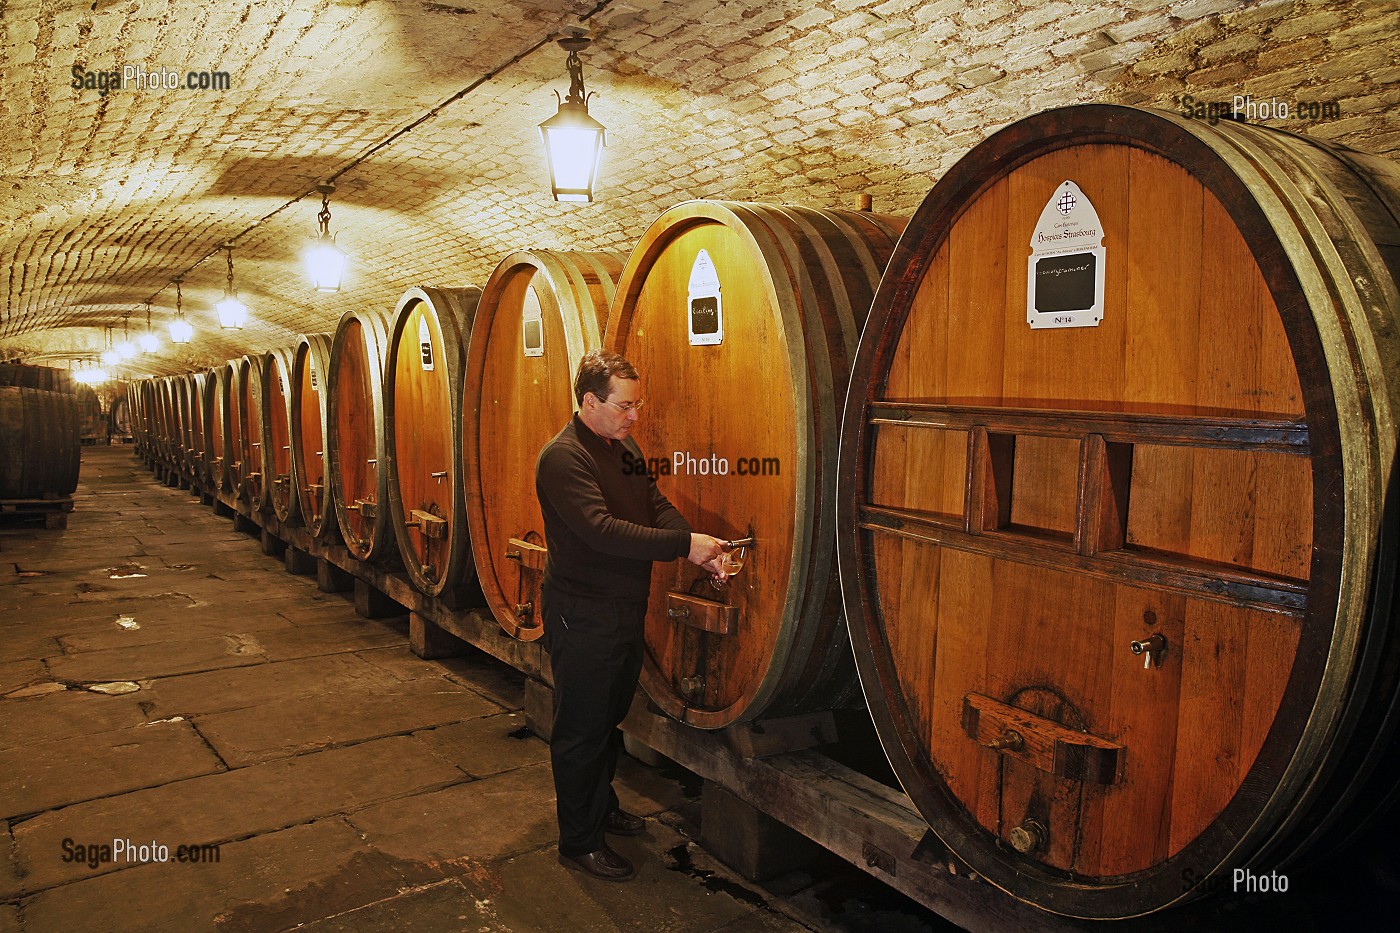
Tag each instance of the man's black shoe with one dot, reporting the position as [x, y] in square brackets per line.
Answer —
[622, 823]
[605, 864]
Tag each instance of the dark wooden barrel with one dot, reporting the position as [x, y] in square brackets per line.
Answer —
[776, 296]
[1121, 594]
[194, 452]
[36, 377]
[540, 311]
[423, 438]
[92, 421]
[251, 468]
[311, 433]
[120, 419]
[357, 460]
[40, 444]
[282, 479]
[168, 401]
[222, 446]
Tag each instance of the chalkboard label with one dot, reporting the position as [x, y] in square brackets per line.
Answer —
[532, 323]
[1065, 271]
[425, 345]
[705, 315]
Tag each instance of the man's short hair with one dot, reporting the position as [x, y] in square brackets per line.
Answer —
[596, 370]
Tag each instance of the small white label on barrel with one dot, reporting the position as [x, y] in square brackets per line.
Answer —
[1065, 271]
[425, 344]
[705, 319]
[532, 323]
[311, 366]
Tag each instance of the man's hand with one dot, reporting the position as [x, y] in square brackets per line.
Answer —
[704, 548]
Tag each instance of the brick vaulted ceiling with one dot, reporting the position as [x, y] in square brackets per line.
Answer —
[425, 112]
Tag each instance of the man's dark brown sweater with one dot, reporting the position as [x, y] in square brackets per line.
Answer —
[605, 521]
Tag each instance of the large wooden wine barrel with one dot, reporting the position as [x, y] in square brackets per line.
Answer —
[193, 384]
[92, 421]
[423, 437]
[251, 467]
[165, 421]
[36, 377]
[1122, 593]
[741, 425]
[356, 454]
[540, 311]
[311, 433]
[40, 444]
[282, 479]
[119, 414]
[220, 446]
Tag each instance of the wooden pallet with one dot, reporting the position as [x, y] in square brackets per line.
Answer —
[54, 510]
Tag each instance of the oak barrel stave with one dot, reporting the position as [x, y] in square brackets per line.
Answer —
[513, 404]
[1280, 307]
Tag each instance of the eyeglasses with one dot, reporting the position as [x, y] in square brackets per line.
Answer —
[625, 407]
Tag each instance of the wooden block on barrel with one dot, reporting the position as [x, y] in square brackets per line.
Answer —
[430, 641]
[748, 840]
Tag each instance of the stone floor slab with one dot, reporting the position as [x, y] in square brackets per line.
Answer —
[662, 898]
[507, 814]
[446, 905]
[37, 720]
[16, 674]
[230, 805]
[9, 919]
[41, 777]
[241, 687]
[265, 883]
[350, 634]
[194, 625]
[26, 643]
[142, 662]
[289, 726]
[487, 746]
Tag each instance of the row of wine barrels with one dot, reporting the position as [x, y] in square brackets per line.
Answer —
[1122, 593]
[40, 444]
[47, 378]
[311, 433]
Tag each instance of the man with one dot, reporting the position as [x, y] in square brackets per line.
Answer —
[605, 522]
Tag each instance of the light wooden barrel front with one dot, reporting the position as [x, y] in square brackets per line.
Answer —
[224, 428]
[40, 444]
[282, 479]
[356, 457]
[193, 435]
[423, 419]
[794, 286]
[540, 311]
[310, 433]
[251, 466]
[1121, 595]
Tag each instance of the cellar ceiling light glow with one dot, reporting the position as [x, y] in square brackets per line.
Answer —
[573, 140]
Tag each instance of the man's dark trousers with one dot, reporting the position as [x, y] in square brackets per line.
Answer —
[595, 650]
